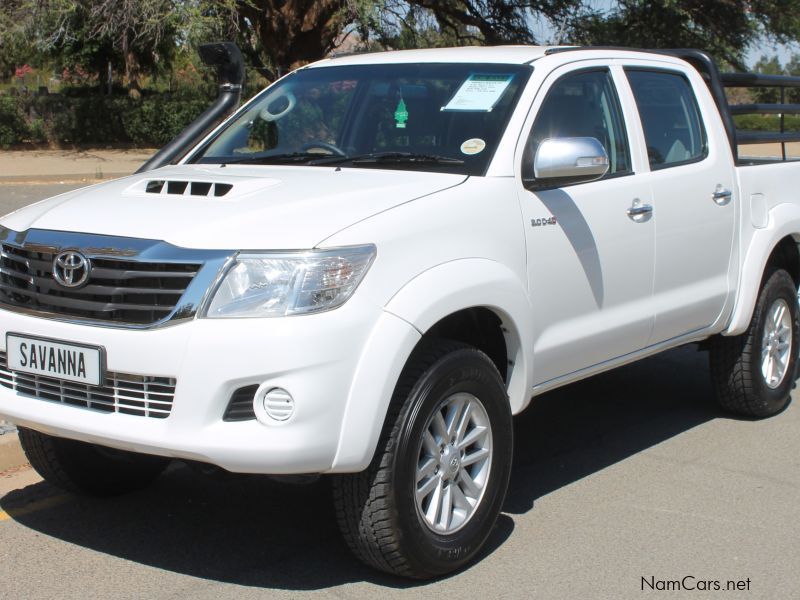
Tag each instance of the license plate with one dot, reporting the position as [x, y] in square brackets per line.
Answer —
[52, 358]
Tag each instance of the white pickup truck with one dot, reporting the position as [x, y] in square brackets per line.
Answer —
[377, 261]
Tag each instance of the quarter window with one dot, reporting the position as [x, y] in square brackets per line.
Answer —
[673, 129]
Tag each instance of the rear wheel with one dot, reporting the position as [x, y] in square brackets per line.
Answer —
[89, 469]
[754, 373]
[434, 491]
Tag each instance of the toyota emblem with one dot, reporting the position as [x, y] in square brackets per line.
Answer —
[71, 269]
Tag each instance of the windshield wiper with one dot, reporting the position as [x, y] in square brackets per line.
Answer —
[314, 158]
[266, 159]
[390, 157]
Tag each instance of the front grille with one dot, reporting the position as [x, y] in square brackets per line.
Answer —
[240, 406]
[126, 291]
[142, 396]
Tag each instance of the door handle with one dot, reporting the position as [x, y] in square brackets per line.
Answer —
[721, 196]
[638, 212]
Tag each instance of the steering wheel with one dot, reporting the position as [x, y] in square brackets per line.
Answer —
[333, 149]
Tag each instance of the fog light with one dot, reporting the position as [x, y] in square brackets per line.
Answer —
[273, 404]
[278, 404]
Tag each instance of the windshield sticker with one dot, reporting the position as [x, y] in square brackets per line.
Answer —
[473, 146]
[401, 115]
[479, 93]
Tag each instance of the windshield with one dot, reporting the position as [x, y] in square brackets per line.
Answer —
[432, 117]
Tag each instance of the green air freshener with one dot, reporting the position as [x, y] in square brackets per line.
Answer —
[401, 115]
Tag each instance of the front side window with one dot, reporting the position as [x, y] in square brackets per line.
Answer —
[582, 104]
[673, 129]
[439, 117]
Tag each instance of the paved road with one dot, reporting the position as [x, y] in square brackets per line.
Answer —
[14, 196]
[632, 474]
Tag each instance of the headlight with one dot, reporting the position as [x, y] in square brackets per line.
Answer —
[290, 283]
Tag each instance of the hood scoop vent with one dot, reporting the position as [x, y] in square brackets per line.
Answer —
[187, 188]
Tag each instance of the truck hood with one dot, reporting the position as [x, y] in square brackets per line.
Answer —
[233, 207]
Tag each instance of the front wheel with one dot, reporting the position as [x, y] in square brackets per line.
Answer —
[434, 491]
[753, 373]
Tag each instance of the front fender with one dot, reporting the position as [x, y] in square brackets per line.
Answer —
[382, 359]
[413, 310]
[784, 220]
[467, 283]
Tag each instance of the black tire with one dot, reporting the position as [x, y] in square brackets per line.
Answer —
[377, 508]
[88, 469]
[739, 384]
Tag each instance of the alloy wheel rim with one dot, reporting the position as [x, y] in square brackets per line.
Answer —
[776, 343]
[453, 463]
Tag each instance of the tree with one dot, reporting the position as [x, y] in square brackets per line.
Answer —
[282, 34]
[396, 25]
[139, 36]
[772, 66]
[486, 21]
[286, 33]
[497, 21]
[14, 50]
[725, 28]
[143, 31]
[133, 35]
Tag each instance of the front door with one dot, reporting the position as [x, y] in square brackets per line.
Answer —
[590, 257]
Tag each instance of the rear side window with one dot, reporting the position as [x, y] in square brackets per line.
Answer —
[670, 118]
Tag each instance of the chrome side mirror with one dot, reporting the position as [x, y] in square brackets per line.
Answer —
[561, 161]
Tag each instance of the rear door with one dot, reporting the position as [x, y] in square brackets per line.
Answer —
[691, 175]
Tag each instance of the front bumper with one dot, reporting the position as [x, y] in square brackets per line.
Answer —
[315, 357]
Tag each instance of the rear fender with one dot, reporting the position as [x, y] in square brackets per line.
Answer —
[784, 220]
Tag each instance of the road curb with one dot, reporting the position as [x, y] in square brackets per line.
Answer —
[11, 454]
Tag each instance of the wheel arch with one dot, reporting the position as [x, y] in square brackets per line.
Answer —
[786, 255]
[480, 302]
[768, 247]
[481, 328]
[477, 301]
